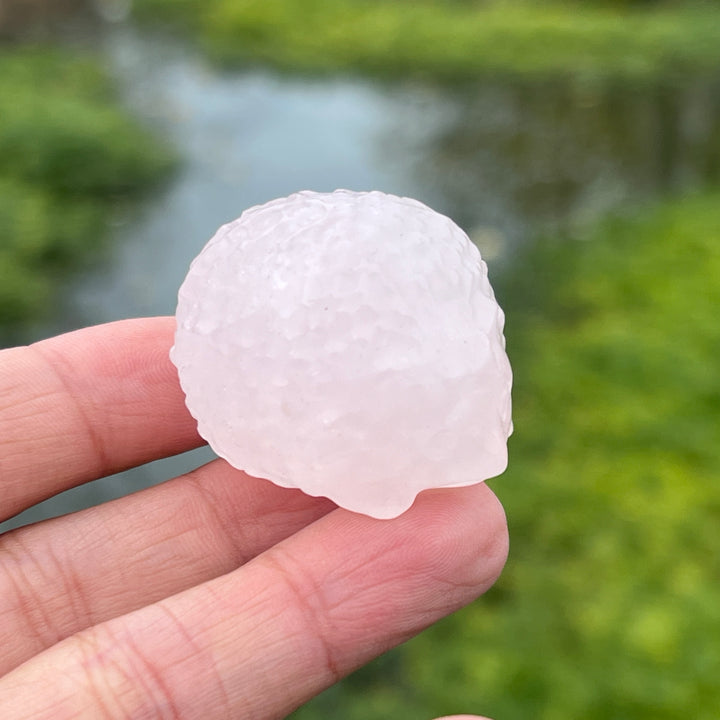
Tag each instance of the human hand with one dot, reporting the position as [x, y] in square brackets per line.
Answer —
[215, 594]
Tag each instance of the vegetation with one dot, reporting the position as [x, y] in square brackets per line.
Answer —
[454, 41]
[68, 156]
[610, 605]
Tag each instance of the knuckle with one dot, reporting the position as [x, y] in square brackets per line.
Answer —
[118, 680]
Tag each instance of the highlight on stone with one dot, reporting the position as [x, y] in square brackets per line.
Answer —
[348, 344]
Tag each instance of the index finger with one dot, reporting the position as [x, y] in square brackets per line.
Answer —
[87, 404]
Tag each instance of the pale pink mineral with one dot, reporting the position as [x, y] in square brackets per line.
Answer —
[347, 344]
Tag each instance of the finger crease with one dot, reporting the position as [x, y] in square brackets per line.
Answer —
[151, 680]
[229, 534]
[37, 620]
[66, 572]
[311, 615]
[89, 648]
[96, 442]
[198, 652]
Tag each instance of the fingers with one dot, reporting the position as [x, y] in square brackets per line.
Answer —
[261, 640]
[64, 575]
[87, 404]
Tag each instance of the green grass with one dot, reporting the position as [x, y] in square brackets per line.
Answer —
[610, 604]
[454, 41]
[69, 156]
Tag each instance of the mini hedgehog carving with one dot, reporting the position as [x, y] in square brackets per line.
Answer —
[348, 344]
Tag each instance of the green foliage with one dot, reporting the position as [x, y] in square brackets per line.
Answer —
[455, 41]
[178, 13]
[610, 604]
[68, 154]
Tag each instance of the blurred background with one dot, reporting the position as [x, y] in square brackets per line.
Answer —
[578, 143]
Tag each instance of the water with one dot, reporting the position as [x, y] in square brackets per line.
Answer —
[508, 162]
[245, 138]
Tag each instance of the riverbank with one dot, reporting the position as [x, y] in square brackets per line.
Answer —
[70, 159]
[453, 42]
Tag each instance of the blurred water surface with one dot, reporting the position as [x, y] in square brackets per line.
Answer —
[506, 161]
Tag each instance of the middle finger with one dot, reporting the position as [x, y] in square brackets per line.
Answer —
[63, 575]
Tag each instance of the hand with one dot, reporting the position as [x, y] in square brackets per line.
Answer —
[215, 594]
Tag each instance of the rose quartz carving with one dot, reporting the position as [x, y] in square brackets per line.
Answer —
[347, 344]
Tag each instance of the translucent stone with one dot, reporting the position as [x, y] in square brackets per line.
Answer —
[347, 344]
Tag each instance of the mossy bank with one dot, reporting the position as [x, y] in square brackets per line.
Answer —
[70, 156]
[455, 41]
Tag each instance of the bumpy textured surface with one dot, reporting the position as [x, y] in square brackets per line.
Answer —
[348, 344]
